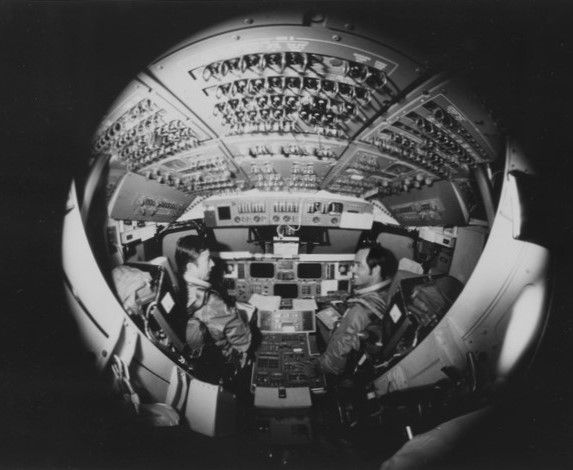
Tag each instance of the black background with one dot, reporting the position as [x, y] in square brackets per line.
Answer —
[61, 66]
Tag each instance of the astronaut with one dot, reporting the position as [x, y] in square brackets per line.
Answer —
[212, 326]
[373, 270]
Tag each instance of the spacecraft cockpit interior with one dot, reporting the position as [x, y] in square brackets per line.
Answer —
[285, 143]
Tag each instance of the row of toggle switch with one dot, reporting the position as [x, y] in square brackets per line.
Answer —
[284, 206]
[291, 87]
[282, 127]
[143, 135]
[444, 123]
[302, 178]
[436, 138]
[358, 186]
[401, 147]
[126, 126]
[152, 140]
[313, 112]
[295, 62]
[210, 174]
[251, 207]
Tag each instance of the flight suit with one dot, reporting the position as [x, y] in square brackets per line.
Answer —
[207, 310]
[368, 301]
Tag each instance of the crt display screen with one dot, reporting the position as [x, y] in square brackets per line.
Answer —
[309, 271]
[265, 270]
[287, 291]
[224, 212]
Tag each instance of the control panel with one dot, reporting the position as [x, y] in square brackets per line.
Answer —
[440, 204]
[284, 360]
[289, 84]
[137, 199]
[291, 321]
[283, 208]
[303, 276]
[282, 164]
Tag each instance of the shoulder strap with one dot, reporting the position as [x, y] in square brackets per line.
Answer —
[372, 310]
[201, 298]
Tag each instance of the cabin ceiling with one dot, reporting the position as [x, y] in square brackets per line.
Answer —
[295, 107]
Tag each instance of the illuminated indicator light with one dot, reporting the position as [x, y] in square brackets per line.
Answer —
[409, 432]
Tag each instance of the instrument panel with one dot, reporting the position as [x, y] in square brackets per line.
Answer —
[284, 360]
[286, 208]
[304, 276]
[295, 109]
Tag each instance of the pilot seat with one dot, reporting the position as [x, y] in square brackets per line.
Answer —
[418, 304]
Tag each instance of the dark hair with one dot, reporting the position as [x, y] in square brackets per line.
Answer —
[188, 250]
[380, 256]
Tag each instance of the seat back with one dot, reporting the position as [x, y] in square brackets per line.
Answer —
[167, 311]
[416, 307]
[429, 301]
[164, 262]
[169, 243]
[379, 341]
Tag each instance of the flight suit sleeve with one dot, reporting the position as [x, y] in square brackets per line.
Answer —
[225, 325]
[237, 332]
[344, 339]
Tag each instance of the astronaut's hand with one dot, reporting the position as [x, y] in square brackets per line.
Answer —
[239, 359]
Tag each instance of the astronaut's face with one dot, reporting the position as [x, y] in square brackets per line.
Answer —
[363, 275]
[202, 266]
